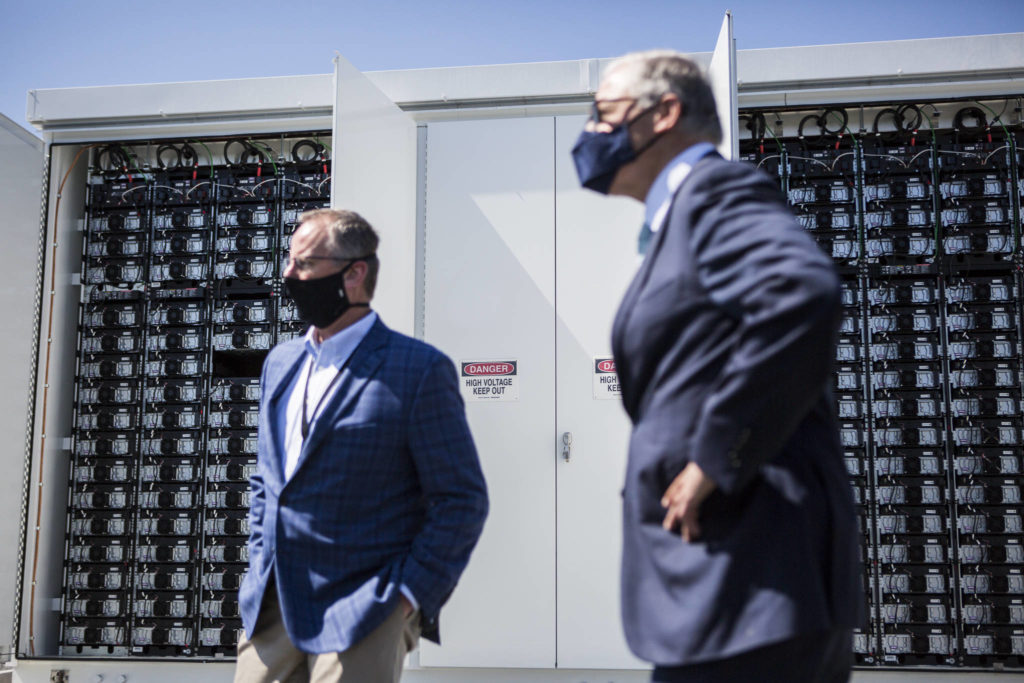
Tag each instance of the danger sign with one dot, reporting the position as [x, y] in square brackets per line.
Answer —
[606, 380]
[490, 380]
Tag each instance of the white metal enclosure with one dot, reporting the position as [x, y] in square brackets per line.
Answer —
[21, 168]
[491, 252]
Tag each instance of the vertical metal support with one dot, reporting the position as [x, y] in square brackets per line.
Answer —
[874, 587]
[419, 312]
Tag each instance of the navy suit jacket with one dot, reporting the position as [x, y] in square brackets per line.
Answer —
[387, 491]
[724, 344]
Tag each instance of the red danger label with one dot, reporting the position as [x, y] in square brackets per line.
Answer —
[604, 365]
[489, 368]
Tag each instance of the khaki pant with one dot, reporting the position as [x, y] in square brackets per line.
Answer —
[270, 657]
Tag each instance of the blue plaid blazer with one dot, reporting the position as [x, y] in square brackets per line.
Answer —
[388, 491]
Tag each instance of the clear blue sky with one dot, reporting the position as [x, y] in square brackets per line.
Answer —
[62, 43]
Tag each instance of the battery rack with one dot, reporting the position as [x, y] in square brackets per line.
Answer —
[919, 206]
[183, 250]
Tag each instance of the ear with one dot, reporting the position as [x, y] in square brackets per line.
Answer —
[668, 113]
[355, 276]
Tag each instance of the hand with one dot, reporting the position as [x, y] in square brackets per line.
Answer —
[407, 607]
[683, 498]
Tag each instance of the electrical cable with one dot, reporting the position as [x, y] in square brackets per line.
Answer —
[768, 129]
[247, 152]
[901, 120]
[129, 156]
[322, 144]
[835, 111]
[188, 155]
[803, 122]
[928, 120]
[975, 114]
[209, 155]
[265, 152]
[995, 119]
[114, 157]
[160, 156]
[886, 136]
[316, 147]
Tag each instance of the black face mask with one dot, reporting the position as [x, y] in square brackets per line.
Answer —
[322, 300]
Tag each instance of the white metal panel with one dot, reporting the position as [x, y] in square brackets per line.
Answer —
[54, 382]
[21, 168]
[596, 257]
[248, 97]
[489, 265]
[494, 81]
[374, 174]
[957, 58]
[722, 74]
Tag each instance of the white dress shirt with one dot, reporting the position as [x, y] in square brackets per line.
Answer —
[323, 360]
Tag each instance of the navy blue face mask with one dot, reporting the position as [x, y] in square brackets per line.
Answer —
[599, 156]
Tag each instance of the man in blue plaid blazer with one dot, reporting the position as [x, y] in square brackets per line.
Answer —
[368, 497]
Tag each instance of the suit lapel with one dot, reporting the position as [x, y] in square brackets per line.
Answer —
[658, 238]
[279, 378]
[636, 287]
[365, 360]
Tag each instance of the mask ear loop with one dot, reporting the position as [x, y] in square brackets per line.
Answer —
[365, 259]
[647, 145]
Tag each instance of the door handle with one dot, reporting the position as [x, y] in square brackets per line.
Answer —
[566, 445]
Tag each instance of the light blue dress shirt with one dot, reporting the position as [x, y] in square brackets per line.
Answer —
[665, 186]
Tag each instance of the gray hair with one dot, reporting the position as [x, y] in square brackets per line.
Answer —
[349, 236]
[653, 73]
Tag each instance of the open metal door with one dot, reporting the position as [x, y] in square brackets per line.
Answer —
[722, 74]
[21, 183]
[374, 174]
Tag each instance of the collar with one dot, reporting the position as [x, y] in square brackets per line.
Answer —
[659, 197]
[340, 346]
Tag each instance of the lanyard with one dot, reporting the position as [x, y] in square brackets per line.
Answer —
[327, 392]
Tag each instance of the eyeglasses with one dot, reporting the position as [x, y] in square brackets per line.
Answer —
[307, 263]
[595, 113]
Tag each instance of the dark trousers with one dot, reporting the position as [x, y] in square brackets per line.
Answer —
[822, 657]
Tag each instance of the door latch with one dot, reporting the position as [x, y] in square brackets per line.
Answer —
[566, 445]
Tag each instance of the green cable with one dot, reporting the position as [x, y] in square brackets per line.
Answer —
[131, 157]
[768, 128]
[847, 129]
[209, 154]
[266, 152]
[317, 139]
[995, 117]
[928, 120]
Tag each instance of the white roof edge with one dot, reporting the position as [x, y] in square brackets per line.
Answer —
[12, 127]
[971, 57]
[904, 59]
[908, 42]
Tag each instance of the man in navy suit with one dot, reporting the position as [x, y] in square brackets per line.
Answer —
[368, 497]
[740, 557]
